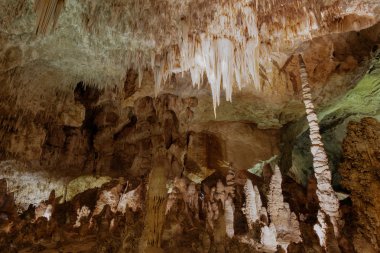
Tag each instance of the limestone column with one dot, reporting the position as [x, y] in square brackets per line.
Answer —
[328, 201]
[156, 203]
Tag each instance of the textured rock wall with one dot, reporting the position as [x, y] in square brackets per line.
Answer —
[360, 175]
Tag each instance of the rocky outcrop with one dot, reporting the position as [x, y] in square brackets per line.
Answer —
[360, 173]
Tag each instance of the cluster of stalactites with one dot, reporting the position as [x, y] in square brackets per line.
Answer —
[227, 53]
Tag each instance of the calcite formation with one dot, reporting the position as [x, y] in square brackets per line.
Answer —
[285, 221]
[131, 199]
[156, 203]
[29, 188]
[82, 212]
[328, 200]
[269, 237]
[155, 126]
[253, 203]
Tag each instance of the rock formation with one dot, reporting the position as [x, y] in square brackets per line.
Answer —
[360, 175]
[156, 203]
[285, 221]
[269, 237]
[152, 126]
[328, 200]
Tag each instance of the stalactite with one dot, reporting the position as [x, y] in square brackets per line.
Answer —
[227, 58]
[48, 12]
[328, 200]
[29, 187]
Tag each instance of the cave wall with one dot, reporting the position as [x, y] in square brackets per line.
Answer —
[90, 131]
[360, 175]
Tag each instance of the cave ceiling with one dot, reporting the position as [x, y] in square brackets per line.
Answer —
[168, 44]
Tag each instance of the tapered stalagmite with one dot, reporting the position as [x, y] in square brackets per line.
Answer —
[328, 200]
[155, 202]
[253, 205]
[285, 221]
[268, 236]
[229, 217]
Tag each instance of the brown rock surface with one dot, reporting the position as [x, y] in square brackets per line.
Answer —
[360, 173]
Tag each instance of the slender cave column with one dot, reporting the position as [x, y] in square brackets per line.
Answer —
[328, 201]
[156, 203]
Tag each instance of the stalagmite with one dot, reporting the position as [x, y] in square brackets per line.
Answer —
[43, 210]
[229, 217]
[230, 181]
[110, 198]
[328, 200]
[224, 195]
[268, 237]
[155, 202]
[83, 212]
[253, 203]
[285, 221]
[321, 228]
[220, 193]
[187, 192]
[131, 199]
[191, 197]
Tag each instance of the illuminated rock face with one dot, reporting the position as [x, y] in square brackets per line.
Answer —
[29, 187]
[328, 200]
